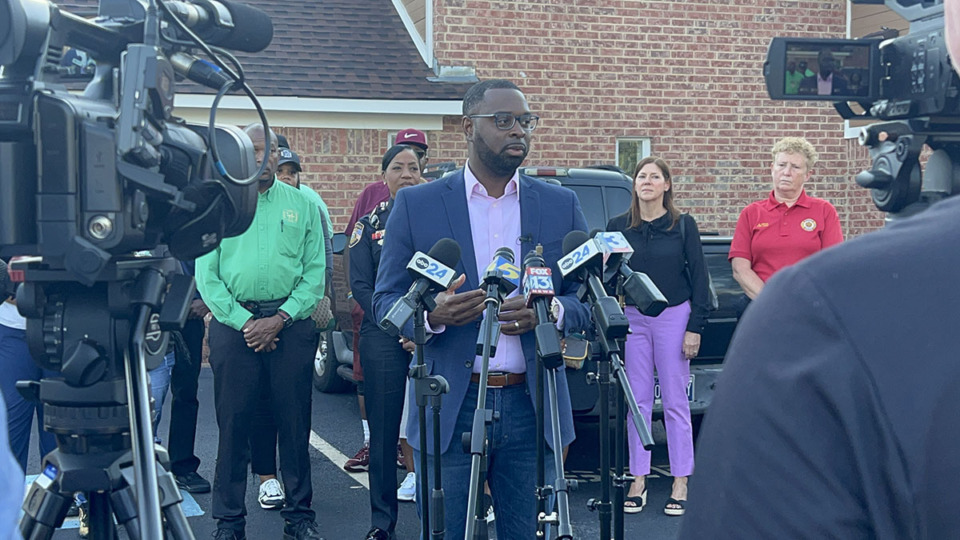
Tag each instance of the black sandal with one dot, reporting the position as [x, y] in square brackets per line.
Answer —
[636, 503]
[674, 507]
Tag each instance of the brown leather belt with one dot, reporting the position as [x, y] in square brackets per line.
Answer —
[501, 380]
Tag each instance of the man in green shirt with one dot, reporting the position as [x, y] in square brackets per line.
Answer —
[261, 287]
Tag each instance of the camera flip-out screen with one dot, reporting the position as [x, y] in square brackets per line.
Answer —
[823, 69]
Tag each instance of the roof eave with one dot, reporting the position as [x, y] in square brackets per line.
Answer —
[322, 112]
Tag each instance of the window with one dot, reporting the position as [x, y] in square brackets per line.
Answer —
[630, 151]
[591, 201]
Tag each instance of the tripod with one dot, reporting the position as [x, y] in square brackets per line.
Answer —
[100, 339]
[549, 361]
[430, 387]
[612, 328]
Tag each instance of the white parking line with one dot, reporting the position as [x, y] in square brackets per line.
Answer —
[337, 457]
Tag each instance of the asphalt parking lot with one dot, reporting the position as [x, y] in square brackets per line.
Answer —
[341, 498]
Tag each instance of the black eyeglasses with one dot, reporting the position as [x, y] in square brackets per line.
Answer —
[505, 121]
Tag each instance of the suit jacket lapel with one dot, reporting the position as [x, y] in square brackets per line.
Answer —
[455, 203]
[529, 217]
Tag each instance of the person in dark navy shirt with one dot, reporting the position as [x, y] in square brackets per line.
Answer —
[385, 362]
[836, 413]
[666, 247]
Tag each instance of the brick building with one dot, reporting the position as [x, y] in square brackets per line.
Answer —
[611, 79]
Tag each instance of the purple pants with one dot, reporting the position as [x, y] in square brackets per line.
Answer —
[657, 342]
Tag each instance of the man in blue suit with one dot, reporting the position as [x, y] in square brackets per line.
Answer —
[486, 206]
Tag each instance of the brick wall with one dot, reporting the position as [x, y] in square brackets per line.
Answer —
[685, 74]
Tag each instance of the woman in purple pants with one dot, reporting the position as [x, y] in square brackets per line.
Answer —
[667, 248]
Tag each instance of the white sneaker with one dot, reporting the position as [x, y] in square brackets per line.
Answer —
[408, 489]
[271, 495]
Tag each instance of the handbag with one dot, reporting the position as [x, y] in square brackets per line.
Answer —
[322, 314]
[576, 350]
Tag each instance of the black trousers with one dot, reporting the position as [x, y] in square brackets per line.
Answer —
[237, 389]
[263, 433]
[385, 366]
[184, 405]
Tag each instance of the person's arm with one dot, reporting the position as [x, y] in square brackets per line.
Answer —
[699, 279]
[796, 407]
[362, 276]
[327, 248]
[308, 291]
[832, 232]
[217, 297]
[741, 255]
[575, 314]
[749, 281]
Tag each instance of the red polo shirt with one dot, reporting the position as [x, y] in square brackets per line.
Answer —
[771, 235]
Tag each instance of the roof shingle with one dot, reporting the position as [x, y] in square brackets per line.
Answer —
[344, 49]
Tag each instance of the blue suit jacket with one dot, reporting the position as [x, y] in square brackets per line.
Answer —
[424, 214]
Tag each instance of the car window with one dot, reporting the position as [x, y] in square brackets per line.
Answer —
[618, 200]
[591, 201]
[721, 274]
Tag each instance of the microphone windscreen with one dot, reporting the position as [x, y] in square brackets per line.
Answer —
[506, 253]
[595, 232]
[446, 251]
[573, 240]
[252, 31]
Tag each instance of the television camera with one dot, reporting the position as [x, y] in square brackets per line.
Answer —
[907, 82]
[90, 182]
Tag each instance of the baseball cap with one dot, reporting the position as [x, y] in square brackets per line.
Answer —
[412, 136]
[289, 156]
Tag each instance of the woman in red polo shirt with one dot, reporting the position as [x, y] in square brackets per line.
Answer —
[666, 247]
[787, 226]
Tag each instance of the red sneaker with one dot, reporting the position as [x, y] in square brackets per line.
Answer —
[359, 462]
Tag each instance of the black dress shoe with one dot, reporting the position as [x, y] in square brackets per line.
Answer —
[301, 530]
[192, 483]
[377, 533]
[229, 534]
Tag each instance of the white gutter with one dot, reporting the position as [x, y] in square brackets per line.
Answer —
[322, 113]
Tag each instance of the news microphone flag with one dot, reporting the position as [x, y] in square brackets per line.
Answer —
[423, 265]
[502, 266]
[537, 283]
[581, 256]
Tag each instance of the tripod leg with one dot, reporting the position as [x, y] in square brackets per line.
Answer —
[101, 518]
[43, 510]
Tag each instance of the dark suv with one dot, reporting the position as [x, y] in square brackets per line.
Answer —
[603, 194]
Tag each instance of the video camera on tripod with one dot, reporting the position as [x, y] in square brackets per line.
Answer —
[907, 81]
[87, 179]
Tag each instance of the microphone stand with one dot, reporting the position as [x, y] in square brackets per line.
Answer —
[549, 361]
[620, 479]
[475, 442]
[432, 387]
[612, 328]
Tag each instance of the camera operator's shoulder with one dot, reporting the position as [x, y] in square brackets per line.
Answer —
[912, 254]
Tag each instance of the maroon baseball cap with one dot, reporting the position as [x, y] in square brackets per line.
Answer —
[412, 136]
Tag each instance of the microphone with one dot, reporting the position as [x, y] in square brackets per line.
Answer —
[227, 24]
[538, 291]
[500, 278]
[583, 256]
[637, 286]
[199, 70]
[583, 262]
[503, 273]
[431, 273]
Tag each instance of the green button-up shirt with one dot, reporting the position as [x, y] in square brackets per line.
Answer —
[279, 256]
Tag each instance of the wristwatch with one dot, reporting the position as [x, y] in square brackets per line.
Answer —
[554, 309]
[287, 320]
